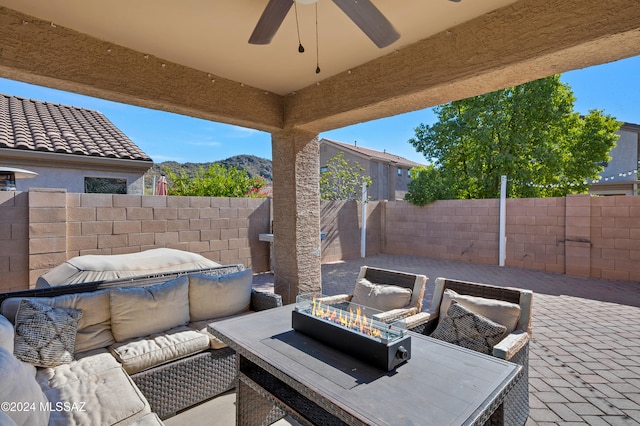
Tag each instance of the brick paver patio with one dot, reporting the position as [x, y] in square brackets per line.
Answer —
[584, 363]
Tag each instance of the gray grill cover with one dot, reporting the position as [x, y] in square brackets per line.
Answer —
[91, 268]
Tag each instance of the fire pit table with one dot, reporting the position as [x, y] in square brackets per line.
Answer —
[283, 371]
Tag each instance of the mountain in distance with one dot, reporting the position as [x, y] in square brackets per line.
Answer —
[253, 165]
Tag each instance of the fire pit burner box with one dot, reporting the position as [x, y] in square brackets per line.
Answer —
[352, 329]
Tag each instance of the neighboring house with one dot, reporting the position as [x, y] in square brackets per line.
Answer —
[620, 175]
[73, 148]
[389, 173]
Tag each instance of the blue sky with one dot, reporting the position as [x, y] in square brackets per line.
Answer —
[613, 87]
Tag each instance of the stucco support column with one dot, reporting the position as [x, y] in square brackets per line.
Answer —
[296, 213]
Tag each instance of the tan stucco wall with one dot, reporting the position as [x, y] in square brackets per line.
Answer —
[296, 213]
[73, 179]
[68, 171]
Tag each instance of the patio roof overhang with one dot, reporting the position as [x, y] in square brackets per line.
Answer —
[193, 59]
[66, 47]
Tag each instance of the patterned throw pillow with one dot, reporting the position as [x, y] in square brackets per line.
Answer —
[465, 328]
[45, 335]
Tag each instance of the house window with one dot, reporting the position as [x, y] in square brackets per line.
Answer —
[399, 171]
[7, 181]
[95, 185]
[408, 173]
[324, 169]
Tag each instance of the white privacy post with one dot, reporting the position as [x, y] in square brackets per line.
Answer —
[503, 220]
[363, 230]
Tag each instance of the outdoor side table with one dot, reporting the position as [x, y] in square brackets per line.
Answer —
[281, 371]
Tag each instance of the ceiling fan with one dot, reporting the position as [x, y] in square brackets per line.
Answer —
[362, 12]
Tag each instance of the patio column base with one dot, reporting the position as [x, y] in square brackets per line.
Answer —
[296, 213]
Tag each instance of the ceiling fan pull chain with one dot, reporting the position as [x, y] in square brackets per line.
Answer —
[300, 48]
[317, 44]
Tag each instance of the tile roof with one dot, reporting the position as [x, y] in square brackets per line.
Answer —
[46, 127]
[372, 153]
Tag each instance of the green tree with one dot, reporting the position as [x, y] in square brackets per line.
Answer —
[342, 180]
[530, 133]
[217, 181]
[427, 185]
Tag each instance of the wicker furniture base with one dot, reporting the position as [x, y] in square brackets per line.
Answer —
[516, 404]
[274, 398]
[180, 384]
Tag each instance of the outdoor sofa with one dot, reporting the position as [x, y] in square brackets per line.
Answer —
[129, 351]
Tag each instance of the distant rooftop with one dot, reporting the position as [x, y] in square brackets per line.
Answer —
[631, 127]
[32, 125]
[372, 153]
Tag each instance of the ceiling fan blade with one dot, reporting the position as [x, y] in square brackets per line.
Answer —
[370, 20]
[270, 21]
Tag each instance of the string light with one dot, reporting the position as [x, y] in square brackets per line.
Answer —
[611, 178]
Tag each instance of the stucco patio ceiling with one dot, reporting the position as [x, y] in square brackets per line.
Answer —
[212, 35]
[193, 57]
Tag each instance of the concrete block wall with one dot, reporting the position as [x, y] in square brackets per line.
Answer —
[45, 227]
[577, 235]
[535, 231]
[221, 229]
[14, 237]
[48, 231]
[462, 230]
[342, 221]
[615, 238]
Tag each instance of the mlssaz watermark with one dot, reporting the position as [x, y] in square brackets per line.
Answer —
[63, 406]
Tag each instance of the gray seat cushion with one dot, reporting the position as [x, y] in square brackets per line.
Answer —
[159, 348]
[93, 390]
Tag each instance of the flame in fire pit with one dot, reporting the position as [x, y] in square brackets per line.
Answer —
[353, 320]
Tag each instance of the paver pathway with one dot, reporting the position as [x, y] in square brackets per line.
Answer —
[584, 365]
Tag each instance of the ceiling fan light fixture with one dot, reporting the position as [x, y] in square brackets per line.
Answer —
[363, 13]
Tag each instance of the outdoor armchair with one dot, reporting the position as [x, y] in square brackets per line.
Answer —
[398, 294]
[514, 347]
